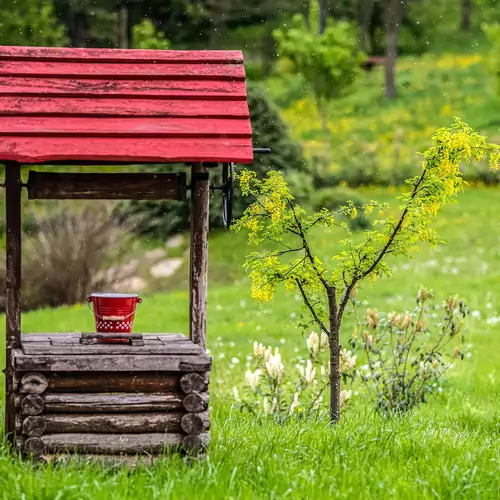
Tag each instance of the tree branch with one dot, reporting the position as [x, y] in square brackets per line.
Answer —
[311, 308]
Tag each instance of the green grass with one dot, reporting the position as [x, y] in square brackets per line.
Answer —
[448, 449]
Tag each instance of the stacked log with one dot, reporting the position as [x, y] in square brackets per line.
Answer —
[112, 413]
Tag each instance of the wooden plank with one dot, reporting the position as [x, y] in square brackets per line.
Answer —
[111, 363]
[116, 55]
[146, 382]
[159, 89]
[104, 348]
[111, 424]
[122, 186]
[34, 126]
[126, 107]
[75, 337]
[137, 150]
[127, 71]
[109, 443]
[198, 274]
[12, 288]
[105, 403]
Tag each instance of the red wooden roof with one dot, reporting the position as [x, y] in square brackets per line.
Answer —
[134, 106]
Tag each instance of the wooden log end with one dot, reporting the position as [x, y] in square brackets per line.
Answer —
[195, 402]
[195, 423]
[196, 444]
[193, 382]
[32, 404]
[34, 446]
[33, 426]
[34, 383]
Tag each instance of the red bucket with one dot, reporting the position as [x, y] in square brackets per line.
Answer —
[114, 312]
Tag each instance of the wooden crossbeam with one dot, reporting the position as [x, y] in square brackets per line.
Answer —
[119, 186]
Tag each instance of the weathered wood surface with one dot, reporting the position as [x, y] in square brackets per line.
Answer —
[147, 382]
[198, 277]
[196, 443]
[122, 186]
[33, 383]
[111, 363]
[32, 404]
[12, 287]
[113, 423]
[100, 403]
[104, 443]
[195, 423]
[138, 107]
[193, 382]
[110, 349]
[195, 403]
[74, 338]
[116, 55]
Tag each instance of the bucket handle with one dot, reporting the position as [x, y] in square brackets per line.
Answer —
[110, 318]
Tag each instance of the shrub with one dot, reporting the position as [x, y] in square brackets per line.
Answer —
[407, 355]
[66, 257]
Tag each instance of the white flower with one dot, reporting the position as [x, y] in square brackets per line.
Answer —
[345, 397]
[323, 372]
[258, 350]
[235, 360]
[236, 395]
[310, 372]
[313, 344]
[323, 342]
[252, 379]
[295, 403]
[268, 353]
[347, 361]
[274, 366]
[266, 406]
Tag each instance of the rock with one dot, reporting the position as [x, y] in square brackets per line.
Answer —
[157, 253]
[175, 241]
[131, 285]
[166, 268]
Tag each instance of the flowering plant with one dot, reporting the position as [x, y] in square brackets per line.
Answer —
[267, 390]
[406, 355]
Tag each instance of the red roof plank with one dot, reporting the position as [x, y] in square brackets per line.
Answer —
[119, 55]
[102, 107]
[135, 127]
[123, 71]
[137, 150]
[63, 87]
[135, 106]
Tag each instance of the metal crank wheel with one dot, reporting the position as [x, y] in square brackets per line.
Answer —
[227, 194]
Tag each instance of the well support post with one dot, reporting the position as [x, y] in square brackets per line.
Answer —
[12, 286]
[200, 199]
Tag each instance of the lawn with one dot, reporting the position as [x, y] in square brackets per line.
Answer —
[448, 449]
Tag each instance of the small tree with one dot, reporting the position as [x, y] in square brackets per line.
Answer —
[146, 36]
[275, 220]
[328, 60]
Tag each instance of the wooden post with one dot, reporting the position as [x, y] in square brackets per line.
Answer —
[200, 194]
[12, 286]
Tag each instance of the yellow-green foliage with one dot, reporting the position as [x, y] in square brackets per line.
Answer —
[274, 218]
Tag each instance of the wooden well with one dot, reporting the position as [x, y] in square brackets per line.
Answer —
[65, 393]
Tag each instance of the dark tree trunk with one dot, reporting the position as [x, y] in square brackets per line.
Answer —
[324, 10]
[268, 50]
[393, 16]
[465, 19]
[80, 29]
[334, 358]
[365, 17]
[123, 27]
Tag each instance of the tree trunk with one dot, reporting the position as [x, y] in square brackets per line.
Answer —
[123, 27]
[365, 15]
[393, 15]
[324, 10]
[334, 358]
[80, 29]
[465, 20]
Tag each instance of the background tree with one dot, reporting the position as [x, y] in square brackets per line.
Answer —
[466, 15]
[393, 18]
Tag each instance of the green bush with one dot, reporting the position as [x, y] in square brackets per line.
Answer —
[269, 130]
